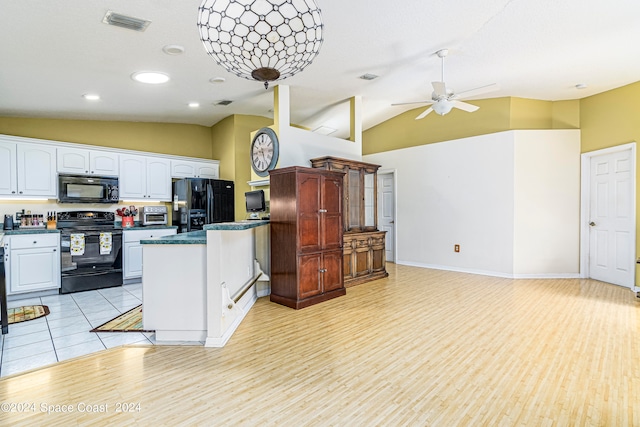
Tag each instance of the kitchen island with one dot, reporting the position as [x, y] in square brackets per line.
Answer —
[198, 286]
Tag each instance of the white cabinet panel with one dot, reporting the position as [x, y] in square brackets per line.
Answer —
[36, 167]
[32, 262]
[158, 179]
[27, 170]
[132, 261]
[145, 178]
[71, 160]
[87, 162]
[192, 169]
[8, 164]
[104, 163]
[133, 177]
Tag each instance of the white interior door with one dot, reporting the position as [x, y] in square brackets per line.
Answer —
[386, 212]
[611, 218]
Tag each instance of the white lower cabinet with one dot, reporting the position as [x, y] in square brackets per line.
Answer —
[132, 260]
[32, 262]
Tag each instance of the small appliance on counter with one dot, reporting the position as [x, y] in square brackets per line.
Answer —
[8, 222]
[154, 215]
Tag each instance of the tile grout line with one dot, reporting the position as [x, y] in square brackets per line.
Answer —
[53, 344]
[87, 319]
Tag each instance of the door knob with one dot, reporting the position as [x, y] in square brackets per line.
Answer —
[592, 223]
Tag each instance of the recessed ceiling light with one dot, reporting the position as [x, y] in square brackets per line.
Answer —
[194, 104]
[150, 77]
[368, 76]
[217, 80]
[173, 49]
[91, 97]
[581, 86]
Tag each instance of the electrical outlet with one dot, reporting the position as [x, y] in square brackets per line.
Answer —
[456, 248]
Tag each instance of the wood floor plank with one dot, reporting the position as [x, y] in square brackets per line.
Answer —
[421, 347]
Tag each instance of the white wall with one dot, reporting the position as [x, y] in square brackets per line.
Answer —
[547, 203]
[483, 193]
[298, 146]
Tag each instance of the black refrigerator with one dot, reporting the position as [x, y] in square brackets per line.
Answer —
[197, 202]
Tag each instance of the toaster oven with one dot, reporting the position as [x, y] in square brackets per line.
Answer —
[154, 215]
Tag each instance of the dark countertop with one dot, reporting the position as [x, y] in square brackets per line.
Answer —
[200, 237]
[138, 226]
[240, 225]
[191, 238]
[28, 231]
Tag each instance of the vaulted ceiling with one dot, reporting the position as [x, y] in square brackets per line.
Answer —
[53, 52]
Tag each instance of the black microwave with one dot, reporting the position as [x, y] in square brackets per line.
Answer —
[87, 189]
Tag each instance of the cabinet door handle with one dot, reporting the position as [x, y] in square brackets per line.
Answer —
[322, 210]
[35, 242]
[54, 250]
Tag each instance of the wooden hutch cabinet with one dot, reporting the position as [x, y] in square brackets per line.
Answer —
[306, 236]
[364, 245]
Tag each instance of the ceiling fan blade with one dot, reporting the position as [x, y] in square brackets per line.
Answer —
[424, 113]
[477, 91]
[439, 88]
[413, 102]
[464, 106]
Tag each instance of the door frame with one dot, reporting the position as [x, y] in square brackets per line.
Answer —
[395, 207]
[585, 204]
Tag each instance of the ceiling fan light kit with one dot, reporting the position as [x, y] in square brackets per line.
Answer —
[263, 40]
[444, 99]
[442, 107]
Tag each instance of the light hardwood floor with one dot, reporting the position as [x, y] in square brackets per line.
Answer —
[421, 347]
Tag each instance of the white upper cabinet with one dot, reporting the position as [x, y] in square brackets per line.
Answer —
[145, 178]
[37, 170]
[27, 170]
[193, 169]
[87, 162]
[8, 164]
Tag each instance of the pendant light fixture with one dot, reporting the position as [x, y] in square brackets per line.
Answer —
[264, 40]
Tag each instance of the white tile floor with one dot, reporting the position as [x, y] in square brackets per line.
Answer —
[64, 333]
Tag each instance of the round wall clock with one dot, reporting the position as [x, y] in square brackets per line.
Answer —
[264, 151]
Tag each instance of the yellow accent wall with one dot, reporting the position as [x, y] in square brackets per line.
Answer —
[223, 147]
[494, 115]
[231, 145]
[610, 118]
[529, 114]
[166, 138]
[565, 114]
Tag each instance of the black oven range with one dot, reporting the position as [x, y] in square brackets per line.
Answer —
[90, 251]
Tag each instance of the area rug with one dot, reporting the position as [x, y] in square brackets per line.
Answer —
[27, 312]
[130, 321]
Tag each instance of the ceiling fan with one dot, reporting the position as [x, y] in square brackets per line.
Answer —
[443, 99]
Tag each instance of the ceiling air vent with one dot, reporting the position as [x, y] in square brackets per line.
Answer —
[124, 21]
[224, 102]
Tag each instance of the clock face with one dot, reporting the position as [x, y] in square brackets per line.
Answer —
[264, 151]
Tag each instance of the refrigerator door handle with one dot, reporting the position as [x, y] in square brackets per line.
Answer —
[210, 202]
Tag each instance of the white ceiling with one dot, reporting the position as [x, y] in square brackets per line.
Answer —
[53, 52]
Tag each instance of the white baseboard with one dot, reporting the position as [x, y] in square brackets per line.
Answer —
[245, 304]
[493, 273]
